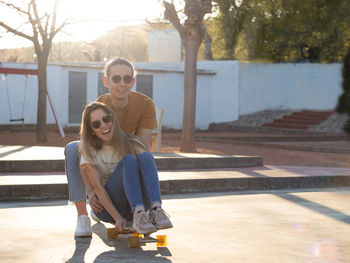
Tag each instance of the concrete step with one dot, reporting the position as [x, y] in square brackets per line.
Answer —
[291, 119]
[287, 125]
[300, 120]
[164, 161]
[53, 185]
[325, 114]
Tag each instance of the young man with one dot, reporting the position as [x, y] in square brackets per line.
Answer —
[136, 115]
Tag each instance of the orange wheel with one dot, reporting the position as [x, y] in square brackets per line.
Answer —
[112, 233]
[137, 235]
[133, 242]
[161, 241]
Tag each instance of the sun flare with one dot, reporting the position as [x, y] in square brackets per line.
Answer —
[91, 18]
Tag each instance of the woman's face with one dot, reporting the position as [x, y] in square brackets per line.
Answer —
[120, 81]
[102, 125]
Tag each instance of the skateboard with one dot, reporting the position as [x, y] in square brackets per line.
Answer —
[136, 240]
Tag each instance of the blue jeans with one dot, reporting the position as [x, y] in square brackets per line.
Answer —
[76, 185]
[134, 182]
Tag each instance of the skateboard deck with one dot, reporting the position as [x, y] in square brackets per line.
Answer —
[135, 240]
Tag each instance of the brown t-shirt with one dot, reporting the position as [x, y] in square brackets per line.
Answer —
[140, 112]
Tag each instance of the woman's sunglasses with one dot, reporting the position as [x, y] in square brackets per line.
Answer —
[97, 124]
[117, 78]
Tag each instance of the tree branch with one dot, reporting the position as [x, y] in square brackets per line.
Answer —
[16, 32]
[171, 15]
[38, 21]
[18, 9]
[53, 22]
[206, 6]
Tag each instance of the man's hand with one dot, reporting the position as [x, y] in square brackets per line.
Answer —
[95, 204]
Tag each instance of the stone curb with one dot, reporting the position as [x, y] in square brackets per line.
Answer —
[60, 191]
[286, 146]
[163, 163]
[278, 138]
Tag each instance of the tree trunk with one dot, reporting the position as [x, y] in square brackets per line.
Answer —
[190, 86]
[192, 34]
[208, 54]
[42, 90]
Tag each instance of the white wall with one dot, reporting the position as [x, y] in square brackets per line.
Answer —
[164, 45]
[225, 89]
[217, 91]
[288, 86]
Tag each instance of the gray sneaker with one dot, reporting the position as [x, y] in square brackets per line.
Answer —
[142, 223]
[160, 218]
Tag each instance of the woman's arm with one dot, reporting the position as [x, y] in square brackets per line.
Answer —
[95, 180]
[94, 203]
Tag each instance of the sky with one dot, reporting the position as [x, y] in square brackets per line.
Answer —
[99, 16]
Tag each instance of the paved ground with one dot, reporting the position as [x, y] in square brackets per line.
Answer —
[266, 226]
[274, 226]
[271, 155]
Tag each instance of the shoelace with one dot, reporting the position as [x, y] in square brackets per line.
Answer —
[161, 214]
[144, 218]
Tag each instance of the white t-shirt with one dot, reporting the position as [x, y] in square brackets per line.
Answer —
[107, 160]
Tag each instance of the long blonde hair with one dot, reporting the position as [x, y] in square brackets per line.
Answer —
[122, 142]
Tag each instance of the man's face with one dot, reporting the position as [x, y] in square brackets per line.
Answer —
[120, 81]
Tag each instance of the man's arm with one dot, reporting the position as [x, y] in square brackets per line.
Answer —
[146, 137]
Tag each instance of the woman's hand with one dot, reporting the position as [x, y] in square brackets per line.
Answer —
[120, 224]
[95, 204]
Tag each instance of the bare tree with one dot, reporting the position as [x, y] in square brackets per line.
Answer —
[44, 29]
[191, 34]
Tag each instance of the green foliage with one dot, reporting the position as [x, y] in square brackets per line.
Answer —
[282, 30]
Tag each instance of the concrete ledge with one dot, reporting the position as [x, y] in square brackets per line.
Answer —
[248, 184]
[60, 190]
[165, 161]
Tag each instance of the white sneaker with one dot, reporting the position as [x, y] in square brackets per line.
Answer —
[94, 217]
[83, 228]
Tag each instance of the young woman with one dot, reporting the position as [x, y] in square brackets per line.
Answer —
[122, 174]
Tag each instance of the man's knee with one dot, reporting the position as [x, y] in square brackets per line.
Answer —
[71, 150]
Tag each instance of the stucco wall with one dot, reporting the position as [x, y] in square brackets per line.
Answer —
[288, 86]
[225, 89]
[164, 45]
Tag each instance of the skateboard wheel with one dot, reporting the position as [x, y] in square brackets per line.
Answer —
[134, 241]
[112, 233]
[137, 235]
[161, 241]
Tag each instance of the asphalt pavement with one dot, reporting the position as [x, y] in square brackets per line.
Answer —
[270, 226]
[220, 214]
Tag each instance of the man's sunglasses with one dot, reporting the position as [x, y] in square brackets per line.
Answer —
[117, 78]
[97, 124]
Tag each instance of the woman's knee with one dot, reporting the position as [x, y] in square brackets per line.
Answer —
[129, 159]
[145, 156]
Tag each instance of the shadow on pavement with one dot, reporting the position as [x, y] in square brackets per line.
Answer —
[324, 210]
[123, 253]
[21, 148]
[33, 203]
[81, 246]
